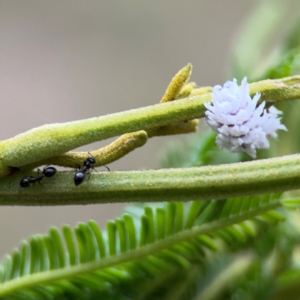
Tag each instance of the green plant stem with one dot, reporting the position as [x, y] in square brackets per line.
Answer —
[115, 150]
[52, 140]
[55, 139]
[202, 183]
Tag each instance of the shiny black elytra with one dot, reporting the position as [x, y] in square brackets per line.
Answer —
[47, 172]
[88, 164]
[79, 177]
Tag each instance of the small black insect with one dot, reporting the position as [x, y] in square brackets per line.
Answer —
[47, 172]
[79, 177]
[88, 164]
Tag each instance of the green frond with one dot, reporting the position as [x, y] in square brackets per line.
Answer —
[140, 255]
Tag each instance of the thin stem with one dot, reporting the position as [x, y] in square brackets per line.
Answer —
[202, 183]
[177, 83]
[115, 150]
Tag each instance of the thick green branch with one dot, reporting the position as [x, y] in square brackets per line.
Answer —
[55, 139]
[203, 183]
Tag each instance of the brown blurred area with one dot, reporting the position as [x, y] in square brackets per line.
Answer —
[68, 60]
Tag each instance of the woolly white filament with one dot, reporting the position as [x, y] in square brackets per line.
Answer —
[241, 126]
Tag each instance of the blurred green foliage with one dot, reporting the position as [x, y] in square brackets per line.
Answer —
[267, 47]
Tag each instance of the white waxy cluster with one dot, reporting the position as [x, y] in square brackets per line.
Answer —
[241, 126]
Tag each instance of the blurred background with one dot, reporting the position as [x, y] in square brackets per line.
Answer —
[68, 60]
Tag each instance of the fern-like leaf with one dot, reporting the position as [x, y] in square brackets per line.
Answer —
[140, 255]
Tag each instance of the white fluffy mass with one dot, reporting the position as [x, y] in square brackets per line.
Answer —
[241, 126]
